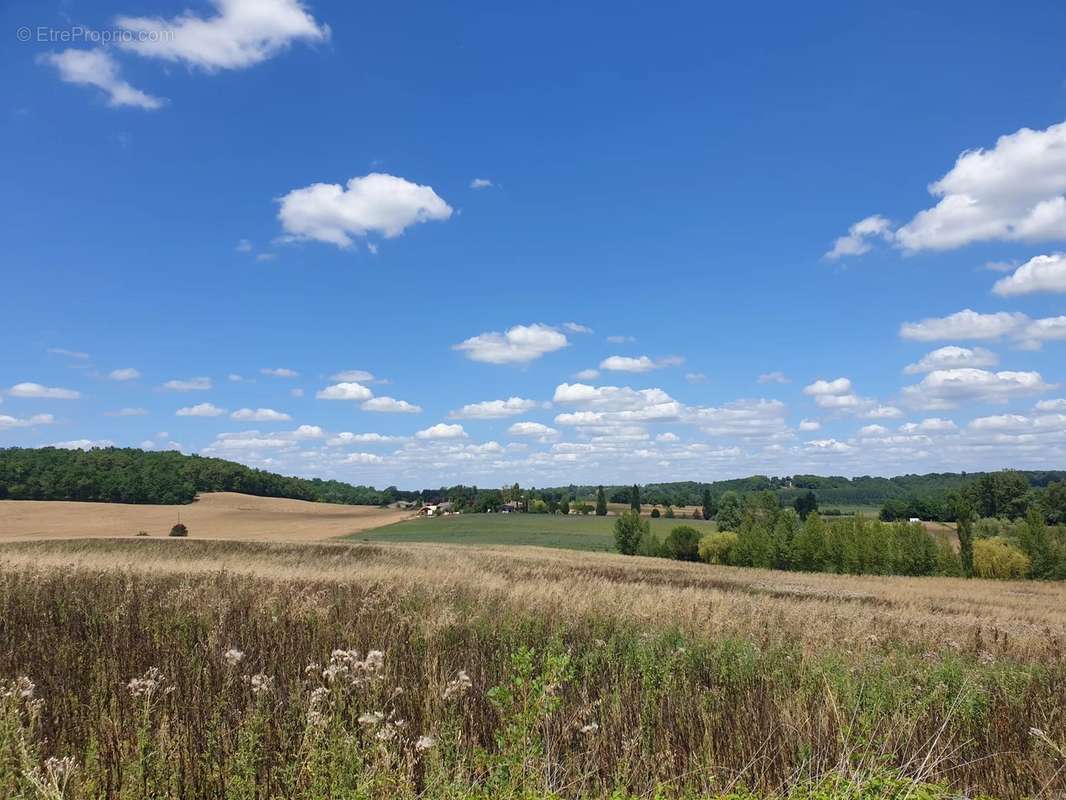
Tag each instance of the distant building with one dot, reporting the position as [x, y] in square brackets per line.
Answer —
[435, 509]
[914, 519]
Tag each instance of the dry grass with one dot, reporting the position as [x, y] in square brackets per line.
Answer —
[219, 515]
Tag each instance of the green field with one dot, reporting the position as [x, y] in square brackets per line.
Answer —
[543, 530]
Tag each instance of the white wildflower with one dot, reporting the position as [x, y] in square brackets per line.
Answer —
[261, 683]
[425, 743]
[233, 656]
[371, 718]
[590, 729]
[459, 685]
[146, 685]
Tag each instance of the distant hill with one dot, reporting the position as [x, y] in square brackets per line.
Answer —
[128, 475]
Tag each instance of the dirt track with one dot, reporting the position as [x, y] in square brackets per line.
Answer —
[222, 515]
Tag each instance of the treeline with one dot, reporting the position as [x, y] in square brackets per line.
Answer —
[768, 536]
[128, 475]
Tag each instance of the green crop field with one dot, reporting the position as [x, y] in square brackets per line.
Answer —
[544, 530]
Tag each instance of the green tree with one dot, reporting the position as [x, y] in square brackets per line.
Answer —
[634, 498]
[717, 547]
[564, 507]
[808, 548]
[601, 502]
[708, 504]
[629, 529]
[729, 512]
[963, 509]
[683, 543]
[805, 504]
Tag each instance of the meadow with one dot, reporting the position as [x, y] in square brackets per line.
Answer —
[571, 532]
[137, 668]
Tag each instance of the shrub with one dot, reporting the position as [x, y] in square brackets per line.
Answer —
[669, 512]
[655, 513]
[683, 543]
[994, 558]
[716, 548]
[179, 530]
[629, 529]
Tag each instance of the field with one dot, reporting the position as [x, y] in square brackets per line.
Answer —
[544, 530]
[183, 668]
[221, 515]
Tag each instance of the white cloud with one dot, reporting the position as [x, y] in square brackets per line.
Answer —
[965, 324]
[943, 389]
[828, 446]
[280, 372]
[200, 410]
[810, 425]
[43, 392]
[929, 425]
[872, 430]
[243, 246]
[615, 404]
[1058, 405]
[774, 377]
[859, 235]
[574, 327]
[952, 357]
[97, 68]
[347, 437]
[495, 409]
[25, 422]
[533, 430]
[308, 432]
[695, 377]
[190, 385]
[346, 390]
[668, 438]
[480, 183]
[621, 339]
[259, 415]
[241, 34]
[744, 418]
[362, 458]
[442, 431]
[59, 351]
[374, 203]
[520, 344]
[233, 376]
[126, 374]
[1038, 274]
[1013, 192]
[357, 375]
[587, 374]
[824, 388]
[627, 364]
[881, 412]
[390, 405]
[296, 392]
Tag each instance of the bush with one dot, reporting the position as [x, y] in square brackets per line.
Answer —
[629, 529]
[669, 512]
[142, 533]
[655, 513]
[716, 548]
[179, 530]
[994, 558]
[683, 543]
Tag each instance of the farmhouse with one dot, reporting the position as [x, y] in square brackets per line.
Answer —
[435, 509]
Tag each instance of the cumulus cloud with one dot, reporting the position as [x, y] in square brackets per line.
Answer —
[587, 374]
[929, 425]
[345, 390]
[480, 183]
[240, 34]
[357, 375]
[695, 377]
[362, 458]
[518, 345]
[36, 390]
[837, 395]
[810, 425]
[945, 389]
[83, 444]
[627, 364]
[667, 438]
[374, 203]
[1038, 274]
[259, 415]
[965, 324]
[347, 437]
[280, 372]
[859, 236]
[200, 410]
[97, 68]
[390, 405]
[953, 357]
[824, 388]
[827, 446]
[442, 431]
[190, 385]
[7, 422]
[128, 412]
[533, 430]
[742, 418]
[495, 409]
[125, 374]
[574, 327]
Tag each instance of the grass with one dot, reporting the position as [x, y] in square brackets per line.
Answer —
[535, 673]
[589, 533]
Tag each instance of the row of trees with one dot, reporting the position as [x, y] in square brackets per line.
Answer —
[127, 475]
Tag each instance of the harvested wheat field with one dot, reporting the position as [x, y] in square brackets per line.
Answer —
[218, 515]
[184, 668]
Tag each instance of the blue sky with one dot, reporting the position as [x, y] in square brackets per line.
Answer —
[786, 239]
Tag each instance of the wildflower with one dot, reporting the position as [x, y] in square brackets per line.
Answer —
[147, 685]
[386, 734]
[425, 743]
[371, 718]
[262, 684]
[60, 770]
[590, 729]
[21, 687]
[460, 685]
[233, 656]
